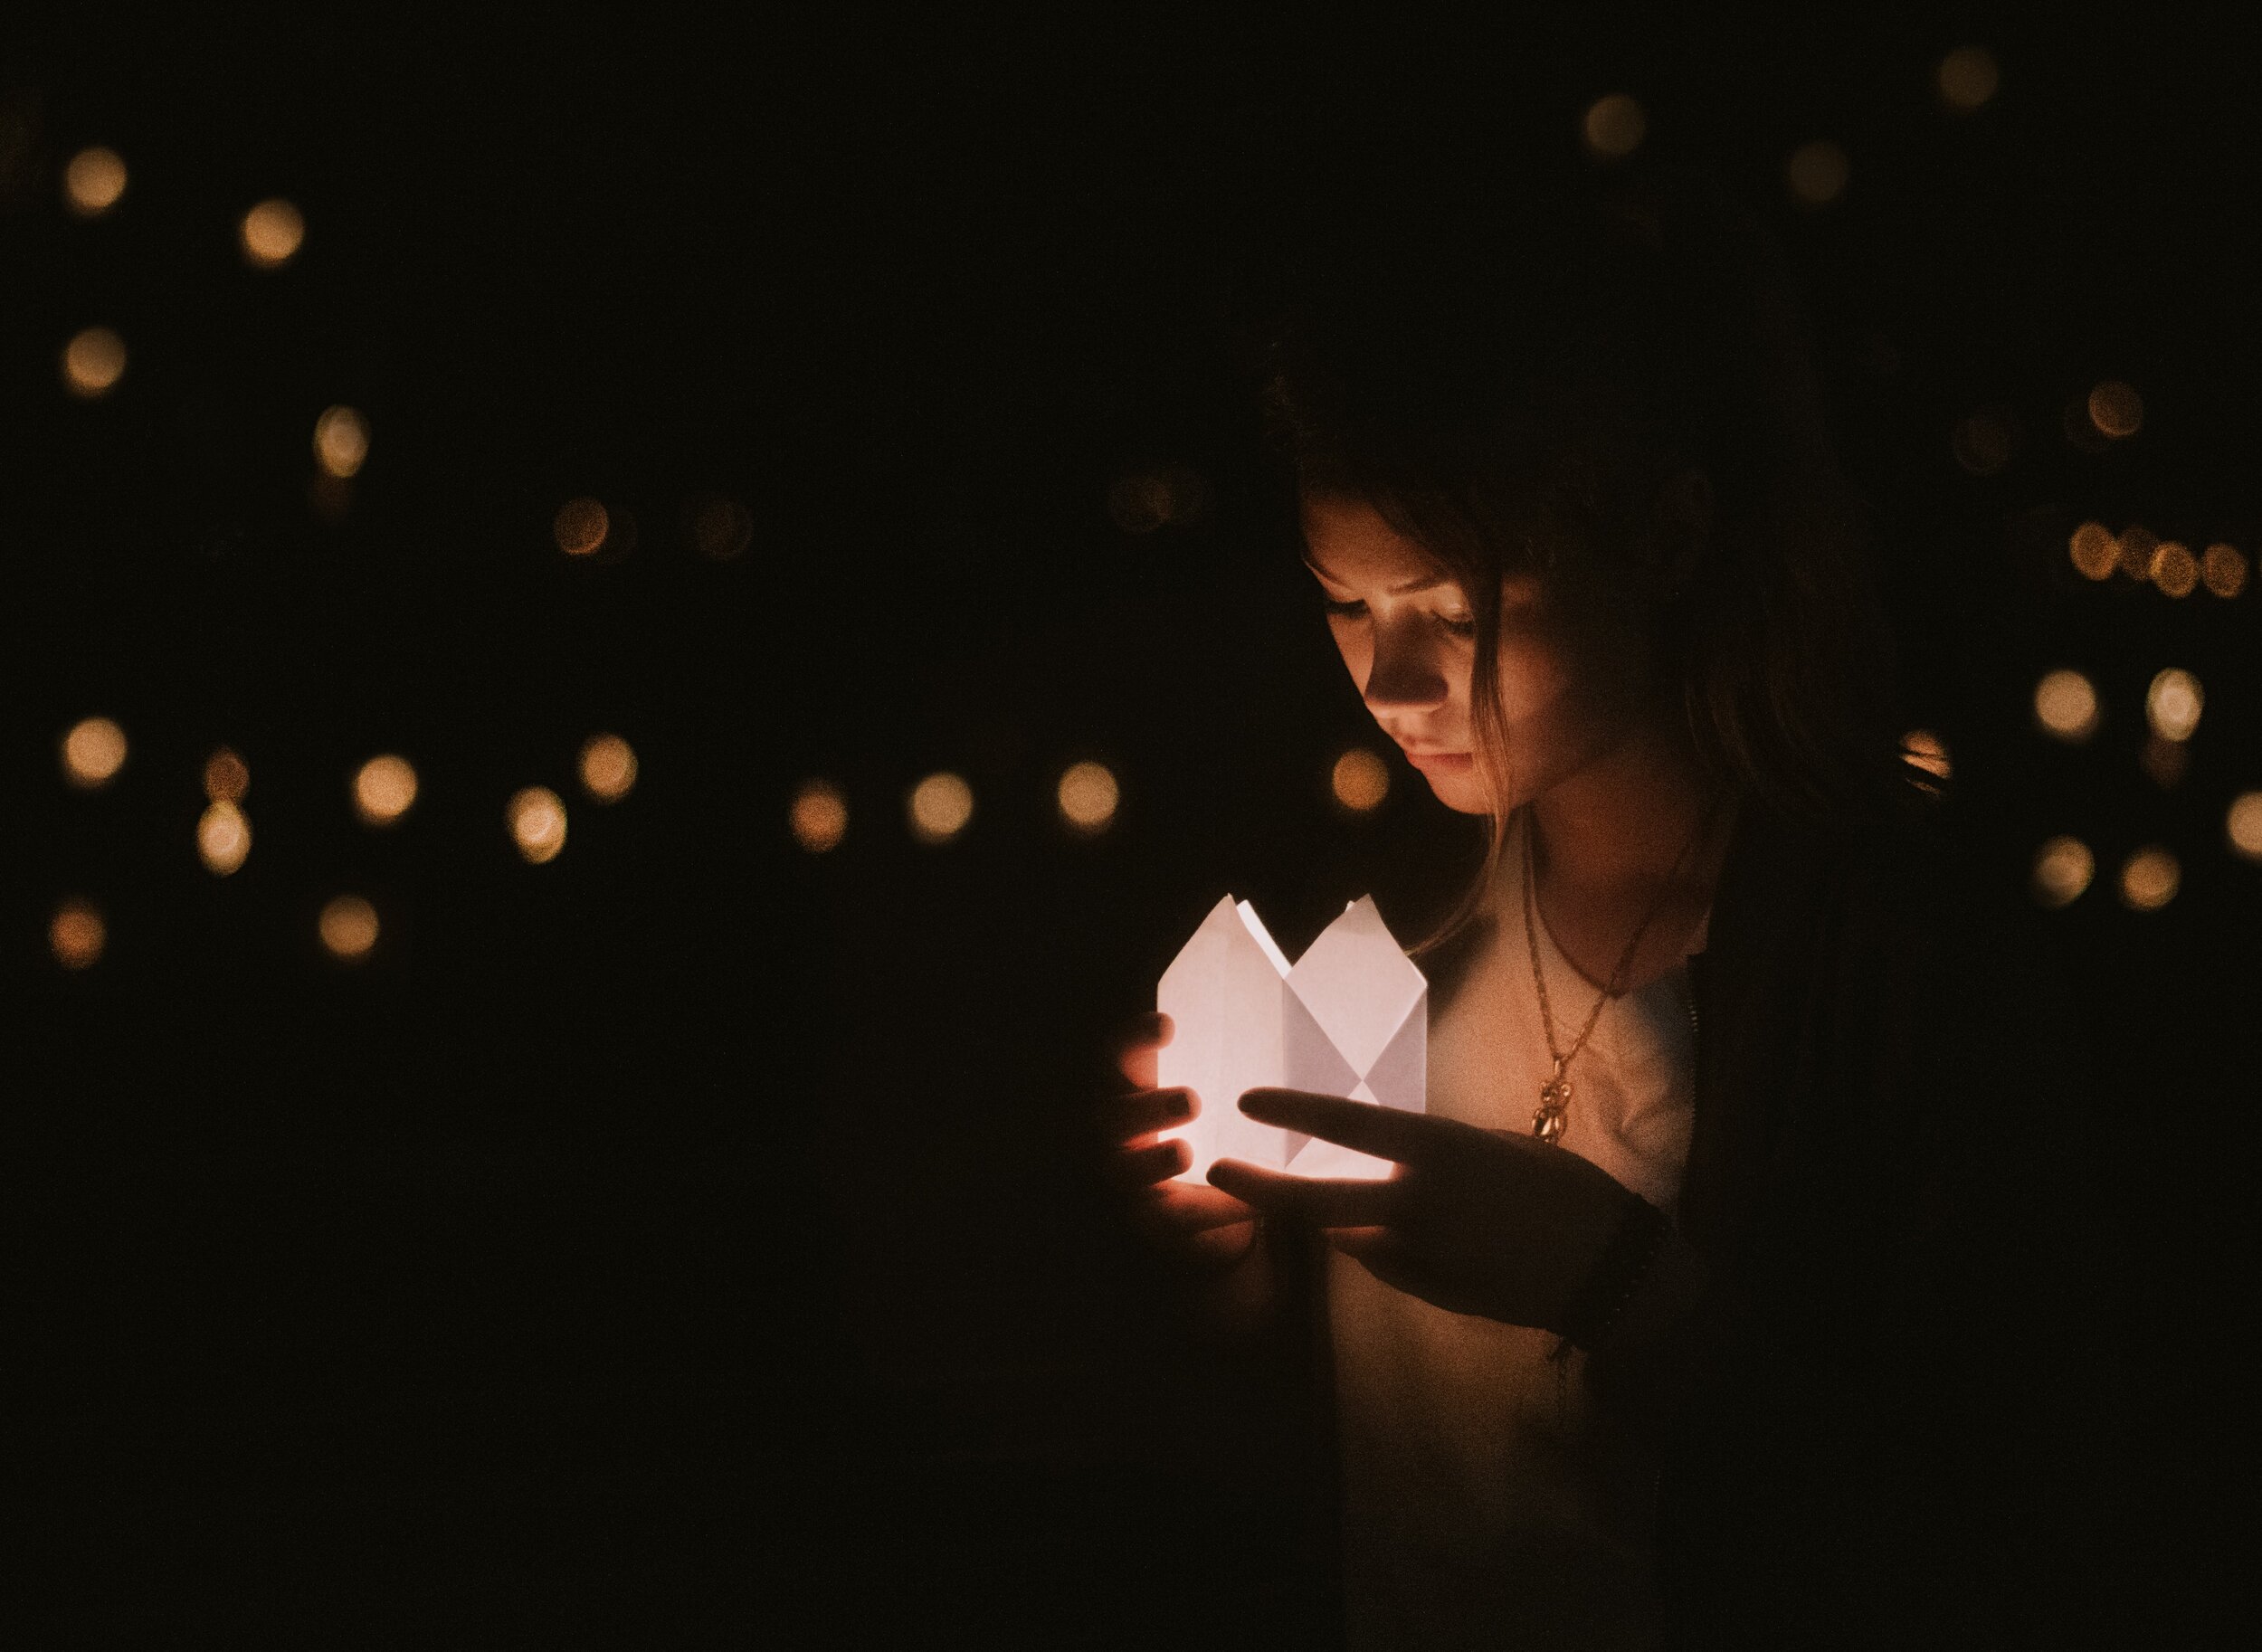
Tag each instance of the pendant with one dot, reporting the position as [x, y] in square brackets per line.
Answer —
[1554, 1097]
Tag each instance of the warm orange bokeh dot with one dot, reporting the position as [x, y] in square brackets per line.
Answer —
[2224, 569]
[2062, 868]
[608, 767]
[93, 361]
[77, 935]
[2117, 410]
[939, 808]
[1817, 173]
[819, 816]
[2094, 551]
[348, 928]
[2174, 570]
[384, 788]
[1360, 781]
[341, 442]
[1967, 78]
[227, 777]
[537, 823]
[93, 181]
[2137, 543]
[2066, 705]
[2150, 879]
[1927, 751]
[580, 526]
[93, 751]
[1614, 126]
[1087, 797]
[271, 232]
[223, 838]
[2173, 704]
[2242, 824]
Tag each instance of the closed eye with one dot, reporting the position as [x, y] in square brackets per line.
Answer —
[1355, 610]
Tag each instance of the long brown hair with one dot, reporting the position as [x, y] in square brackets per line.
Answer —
[1509, 372]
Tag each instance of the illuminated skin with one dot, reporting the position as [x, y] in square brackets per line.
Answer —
[1480, 1221]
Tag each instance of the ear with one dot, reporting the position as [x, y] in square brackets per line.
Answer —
[1680, 531]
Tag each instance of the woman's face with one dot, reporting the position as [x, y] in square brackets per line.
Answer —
[1569, 681]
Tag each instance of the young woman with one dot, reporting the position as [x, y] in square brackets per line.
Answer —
[1708, 1299]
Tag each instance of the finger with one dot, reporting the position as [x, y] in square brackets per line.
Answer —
[1325, 1202]
[1387, 1133]
[1141, 1037]
[1142, 1167]
[1144, 1112]
[1181, 1207]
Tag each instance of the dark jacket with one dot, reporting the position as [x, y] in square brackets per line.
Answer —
[1867, 1434]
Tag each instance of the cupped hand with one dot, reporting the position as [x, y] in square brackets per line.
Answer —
[1473, 1220]
[1189, 1219]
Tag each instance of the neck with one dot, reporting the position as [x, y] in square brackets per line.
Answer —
[1611, 833]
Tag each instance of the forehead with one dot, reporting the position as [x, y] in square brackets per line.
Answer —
[1351, 542]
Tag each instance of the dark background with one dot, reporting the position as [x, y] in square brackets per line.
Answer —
[699, 1234]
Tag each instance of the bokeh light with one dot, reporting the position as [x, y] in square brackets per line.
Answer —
[93, 181]
[77, 935]
[2242, 824]
[608, 767]
[939, 808]
[93, 361]
[819, 816]
[223, 838]
[2150, 879]
[1927, 751]
[2137, 545]
[93, 751]
[2173, 704]
[2117, 410]
[2066, 705]
[2224, 568]
[1967, 79]
[580, 526]
[271, 232]
[1983, 441]
[349, 927]
[227, 777]
[1087, 797]
[2094, 551]
[537, 823]
[1614, 126]
[721, 528]
[1360, 781]
[2174, 570]
[341, 442]
[2062, 868]
[384, 788]
[1817, 173]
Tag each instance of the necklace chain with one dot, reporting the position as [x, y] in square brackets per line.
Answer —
[1554, 1096]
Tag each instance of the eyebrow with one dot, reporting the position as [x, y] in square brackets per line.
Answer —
[1408, 588]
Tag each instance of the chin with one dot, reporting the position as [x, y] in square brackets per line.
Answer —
[1459, 793]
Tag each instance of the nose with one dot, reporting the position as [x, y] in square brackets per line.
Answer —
[1405, 674]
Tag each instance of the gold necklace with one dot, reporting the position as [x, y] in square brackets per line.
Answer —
[1554, 1094]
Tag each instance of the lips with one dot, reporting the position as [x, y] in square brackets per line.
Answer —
[1438, 759]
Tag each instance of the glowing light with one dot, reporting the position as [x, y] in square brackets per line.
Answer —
[77, 935]
[93, 750]
[2150, 879]
[1817, 173]
[2224, 568]
[2117, 410]
[2174, 570]
[341, 442]
[271, 232]
[2173, 704]
[384, 788]
[2066, 705]
[93, 361]
[2137, 544]
[940, 806]
[1983, 442]
[349, 927]
[819, 816]
[1926, 750]
[2164, 760]
[93, 181]
[1360, 781]
[721, 528]
[2074, 420]
[2094, 551]
[2062, 868]
[227, 777]
[223, 838]
[608, 767]
[2242, 824]
[1614, 126]
[580, 526]
[1968, 78]
[537, 823]
[1087, 795]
